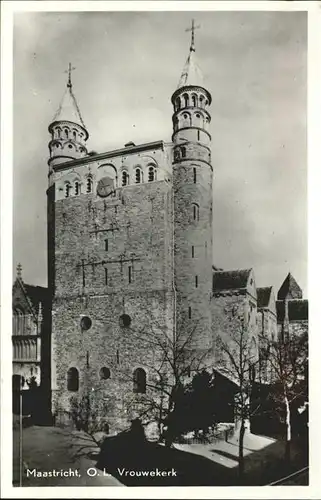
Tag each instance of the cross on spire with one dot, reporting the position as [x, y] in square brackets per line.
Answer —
[69, 70]
[192, 29]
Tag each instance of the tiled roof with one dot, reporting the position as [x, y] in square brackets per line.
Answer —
[289, 289]
[298, 310]
[230, 280]
[263, 296]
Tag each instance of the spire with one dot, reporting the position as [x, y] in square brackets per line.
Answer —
[289, 289]
[19, 271]
[191, 74]
[68, 109]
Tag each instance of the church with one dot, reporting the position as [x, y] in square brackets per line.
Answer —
[130, 262]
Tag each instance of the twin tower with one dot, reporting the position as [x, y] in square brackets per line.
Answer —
[124, 226]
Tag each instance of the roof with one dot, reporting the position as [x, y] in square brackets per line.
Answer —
[68, 109]
[298, 310]
[263, 296]
[230, 280]
[289, 289]
[191, 74]
[36, 295]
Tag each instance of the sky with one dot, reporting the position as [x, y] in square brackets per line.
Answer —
[127, 67]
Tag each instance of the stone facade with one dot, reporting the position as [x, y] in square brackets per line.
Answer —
[130, 261]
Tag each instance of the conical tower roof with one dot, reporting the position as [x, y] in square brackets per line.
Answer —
[191, 74]
[289, 289]
[68, 109]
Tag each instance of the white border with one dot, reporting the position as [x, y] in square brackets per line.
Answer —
[314, 111]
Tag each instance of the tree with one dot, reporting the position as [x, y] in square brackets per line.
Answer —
[288, 357]
[176, 358]
[237, 359]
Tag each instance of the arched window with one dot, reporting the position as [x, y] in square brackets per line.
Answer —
[176, 154]
[125, 320]
[67, 190]
[151, 174]
[185, 97]
[59, 132]
[66, 132]
[139, 379]
[89, 185]
[124, 178]
[194, 100]
[138, 176]
[177, 104]
[201, 101]
[196, 214]
[183, 151]
[73, 380]
[77, 188]
[75, 135]
[104, 373]
[186, 120]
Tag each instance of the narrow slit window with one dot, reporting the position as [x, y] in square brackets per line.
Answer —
[193, 251]
[130, 274]
[106, 276]
[196, 281]
[194, 175]
[195, 211]
[189, 312]
[77, 188]
[198, 135]
[106, 245]
[117, 357]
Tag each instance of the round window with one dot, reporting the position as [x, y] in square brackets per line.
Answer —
[125, 320]
[85, 323]
[104, 373]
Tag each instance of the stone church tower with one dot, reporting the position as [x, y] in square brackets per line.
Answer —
[192, 186]
[129, 253]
